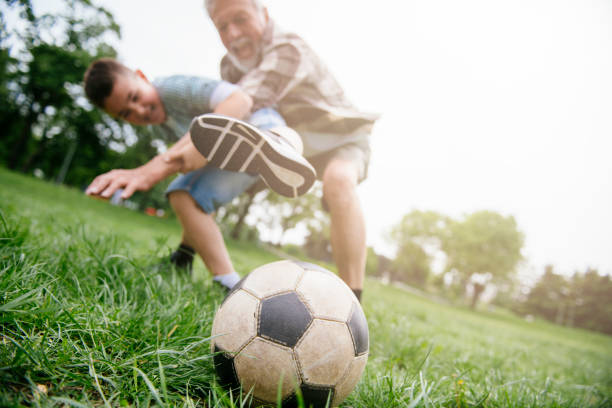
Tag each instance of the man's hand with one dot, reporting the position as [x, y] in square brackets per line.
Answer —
[184, 156]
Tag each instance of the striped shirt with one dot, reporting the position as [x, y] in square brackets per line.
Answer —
[294, 80]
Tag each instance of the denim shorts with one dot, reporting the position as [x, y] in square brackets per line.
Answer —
[212, 187]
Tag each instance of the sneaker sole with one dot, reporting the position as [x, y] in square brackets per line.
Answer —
[233, 145]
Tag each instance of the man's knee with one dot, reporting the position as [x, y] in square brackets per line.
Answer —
[340, 183]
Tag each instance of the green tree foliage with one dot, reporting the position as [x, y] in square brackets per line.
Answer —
[372, 262]
[280, 214]
[232, 218]
[412, 264]
[47, 123]
[417, 237]
[582, 300]
[592, 301]
[483, 247]
[549, 296]
[317, 243]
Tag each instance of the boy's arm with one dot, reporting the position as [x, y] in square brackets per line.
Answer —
[181, 157]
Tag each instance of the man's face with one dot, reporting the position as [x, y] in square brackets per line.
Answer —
[241, 27]
[135, 100]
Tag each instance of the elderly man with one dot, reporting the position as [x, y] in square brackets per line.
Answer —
[278, 69]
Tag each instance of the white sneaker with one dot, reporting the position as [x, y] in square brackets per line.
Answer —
[234, 145]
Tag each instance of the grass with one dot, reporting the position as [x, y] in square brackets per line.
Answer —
[86, 319]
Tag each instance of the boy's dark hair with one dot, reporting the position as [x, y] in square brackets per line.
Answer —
[100, 77]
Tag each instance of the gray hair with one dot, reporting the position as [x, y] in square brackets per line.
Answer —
[210, 6]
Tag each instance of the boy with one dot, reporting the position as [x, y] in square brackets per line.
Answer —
[171, 104]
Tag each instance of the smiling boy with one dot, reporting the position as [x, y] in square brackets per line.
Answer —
[174, 105]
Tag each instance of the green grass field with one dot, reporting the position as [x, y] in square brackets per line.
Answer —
[87, 320]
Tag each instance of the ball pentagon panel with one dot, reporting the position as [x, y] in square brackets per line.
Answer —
[358, 326]
[314, 396]
[283, 319]
[225, 369]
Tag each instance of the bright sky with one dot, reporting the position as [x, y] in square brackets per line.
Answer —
[486, 104]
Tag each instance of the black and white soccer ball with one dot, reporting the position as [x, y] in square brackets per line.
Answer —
[290, 325]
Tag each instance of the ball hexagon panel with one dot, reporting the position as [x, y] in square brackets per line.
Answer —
[358, 326]
[273, 278]
[350, 379]
[261, 365]
[312, 267]
[326, 294]
[235, 322]
[283, 319]
[325, 352]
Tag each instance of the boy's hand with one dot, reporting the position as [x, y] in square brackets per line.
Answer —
[130, 181]
[185, 157]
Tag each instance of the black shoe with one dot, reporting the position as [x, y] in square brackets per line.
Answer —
[182, 258]
[234, 145]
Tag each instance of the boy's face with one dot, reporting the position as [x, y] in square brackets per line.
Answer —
[135, 100]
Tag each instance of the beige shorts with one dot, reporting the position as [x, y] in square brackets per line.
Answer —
[356, 152]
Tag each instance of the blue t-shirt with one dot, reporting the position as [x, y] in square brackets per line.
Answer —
[185, 97]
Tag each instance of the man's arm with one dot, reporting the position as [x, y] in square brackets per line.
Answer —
[181, 157]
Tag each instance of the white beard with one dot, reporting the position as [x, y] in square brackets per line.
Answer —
[245, 66]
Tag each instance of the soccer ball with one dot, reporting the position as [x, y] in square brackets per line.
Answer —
[290, 327]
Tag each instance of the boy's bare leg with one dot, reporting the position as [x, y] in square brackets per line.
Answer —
[348, 233]
[201, 232]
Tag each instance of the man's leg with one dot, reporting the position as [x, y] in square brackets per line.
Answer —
[348, 234]
[234, 145]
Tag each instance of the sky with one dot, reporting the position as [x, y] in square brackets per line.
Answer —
[486, 105]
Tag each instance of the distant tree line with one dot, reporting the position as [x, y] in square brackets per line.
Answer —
[474, 252]
[471, 253]
[582, 300]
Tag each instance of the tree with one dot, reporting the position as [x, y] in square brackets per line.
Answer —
[411, 265]
[592, 301]
[372, 262]
[47, 122]
[280, 214]
[582, 300]
[417, 237]
[548, 298]
[485, 247]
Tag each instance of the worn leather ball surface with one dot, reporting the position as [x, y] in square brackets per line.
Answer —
[292, 325]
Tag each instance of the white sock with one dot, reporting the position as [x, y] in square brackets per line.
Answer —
[228, 280]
